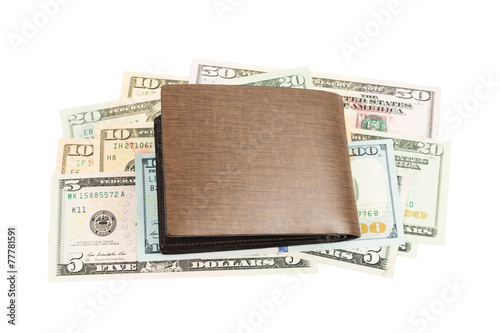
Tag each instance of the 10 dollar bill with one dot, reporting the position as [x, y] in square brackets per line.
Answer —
[143, 84]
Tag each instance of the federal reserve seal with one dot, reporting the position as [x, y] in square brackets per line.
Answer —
[103, 223]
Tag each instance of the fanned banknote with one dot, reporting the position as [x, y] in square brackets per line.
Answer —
[75, 156]
[428, 161]
[94, 221]
[385, 106]
[116, 145]
[368, 181]
[93, 236]
[79, 122]
[142, 84]
[378, 260]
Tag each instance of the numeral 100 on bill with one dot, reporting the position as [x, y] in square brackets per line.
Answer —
[375, 228]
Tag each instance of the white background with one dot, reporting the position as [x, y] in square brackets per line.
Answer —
[78, 58]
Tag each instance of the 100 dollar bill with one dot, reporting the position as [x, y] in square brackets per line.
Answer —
[428, 161]
[377, 198]
[378, 260]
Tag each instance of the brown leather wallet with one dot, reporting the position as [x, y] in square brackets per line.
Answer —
[243, 167]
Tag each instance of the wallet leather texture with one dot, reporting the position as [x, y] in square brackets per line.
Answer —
[243, 167]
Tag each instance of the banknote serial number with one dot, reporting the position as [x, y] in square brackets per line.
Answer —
[367, 213]
[96, 195]
[133, 145]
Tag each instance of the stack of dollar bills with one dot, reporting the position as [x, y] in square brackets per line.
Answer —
[400, 175]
